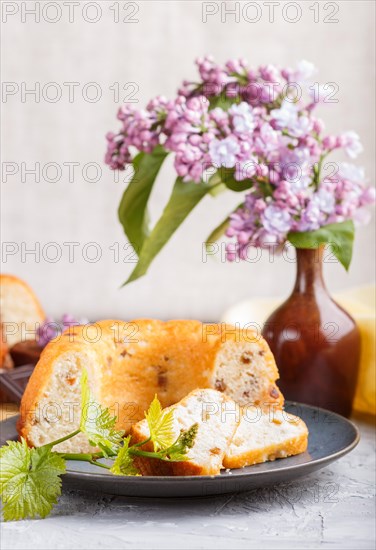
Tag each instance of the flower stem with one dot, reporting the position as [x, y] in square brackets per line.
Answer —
[69, 436]
[85, 457]
[77, 456]
[100, 464]
[147, 454]
[141, 443]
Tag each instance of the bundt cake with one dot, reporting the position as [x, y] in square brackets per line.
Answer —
[129, 362]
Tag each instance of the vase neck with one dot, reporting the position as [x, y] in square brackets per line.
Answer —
[309, 277]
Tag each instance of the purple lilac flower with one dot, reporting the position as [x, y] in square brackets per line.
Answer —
[264, 136]
[190, 130]
[51, 329]
[223, 152]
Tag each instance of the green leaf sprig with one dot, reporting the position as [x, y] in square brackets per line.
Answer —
[338, 236]
[97, 422]
[30, 477]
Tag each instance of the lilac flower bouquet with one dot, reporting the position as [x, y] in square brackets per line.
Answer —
[248, 131]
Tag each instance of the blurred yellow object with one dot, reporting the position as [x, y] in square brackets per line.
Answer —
[360, 303]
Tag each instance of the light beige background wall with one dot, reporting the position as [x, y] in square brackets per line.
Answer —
[156, 53]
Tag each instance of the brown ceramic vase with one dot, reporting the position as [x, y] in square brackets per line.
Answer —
[316, 344]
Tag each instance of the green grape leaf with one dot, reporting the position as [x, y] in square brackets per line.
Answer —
[161, 425]
[97, 422]
[123, 464]
[30, 480]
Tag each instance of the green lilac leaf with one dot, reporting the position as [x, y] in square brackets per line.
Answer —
[219, 230]
[132, 212]
[227, 177]
[218, 190]
[339, 236]
[222, 102]
[184, 197]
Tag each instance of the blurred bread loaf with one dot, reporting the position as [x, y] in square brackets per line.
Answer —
[5, 359]
[20, 313]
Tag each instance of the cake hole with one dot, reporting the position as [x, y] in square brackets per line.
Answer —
[220, 385]
[274, 393]
[162, 380]
[215, 451]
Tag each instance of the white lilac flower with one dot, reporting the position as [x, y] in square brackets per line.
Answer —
[268, 140]
[246, 169]
[351, 172]
[361, 216]
[276, 219]
[309, 218]
[286, 116]
[296, 167]
[242, 118]
[351, 143]
[304, 72]
[325, 201]
[223, 151]
[301, 126]
[320, 93]
[301, 183]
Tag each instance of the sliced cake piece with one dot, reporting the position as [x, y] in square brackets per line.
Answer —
[266, 436]
[217, 417]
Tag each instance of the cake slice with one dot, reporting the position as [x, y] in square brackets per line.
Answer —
[217, 417]
[263, 436]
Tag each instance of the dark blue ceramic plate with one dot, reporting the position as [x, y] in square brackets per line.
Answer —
[330, 437]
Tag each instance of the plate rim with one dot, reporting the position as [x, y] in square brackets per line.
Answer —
[232, 473]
